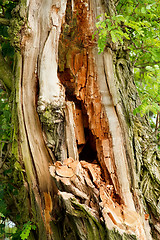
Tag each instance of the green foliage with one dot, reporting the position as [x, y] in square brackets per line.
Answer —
[136, 27]
[7, 229]
[4, 231]
[8, 189]
[5, 118]
[7, 33]
[23, 234]
[3, 206]
[6, 7]
[110, 29]
[137, 24]
[13, 232]
[149, 89]
[27, 227]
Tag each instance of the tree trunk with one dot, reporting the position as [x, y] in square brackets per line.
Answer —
[89, 168]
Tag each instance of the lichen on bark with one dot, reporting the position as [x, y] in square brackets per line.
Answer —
[142, 150]
[53, 124]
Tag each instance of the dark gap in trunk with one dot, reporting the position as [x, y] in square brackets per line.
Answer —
[89, 152]
[76, 71]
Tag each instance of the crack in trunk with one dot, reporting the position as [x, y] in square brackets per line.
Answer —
[77, 140]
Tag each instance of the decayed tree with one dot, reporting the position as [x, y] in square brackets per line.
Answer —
[84, 165]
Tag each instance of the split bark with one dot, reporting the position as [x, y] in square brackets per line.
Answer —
[79, 151]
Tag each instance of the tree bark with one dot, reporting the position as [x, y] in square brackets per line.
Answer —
[90, 167]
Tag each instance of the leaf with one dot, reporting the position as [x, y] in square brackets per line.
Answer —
[148, 6]
[149, 68]
[34, 227]
[114, 37]
[143, 10]
[27, 227]
[98, 16]
[120, 18]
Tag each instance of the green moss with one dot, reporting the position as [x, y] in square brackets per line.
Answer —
[56, 227]
[37, 218]
[53, 123]
[76, 222]
[16, 23]
[14, 32]
[115, 235]
[14, 132]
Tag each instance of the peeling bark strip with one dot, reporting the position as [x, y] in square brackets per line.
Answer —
[39, 57]
[40, 63]
[38, 151]
[78, 137]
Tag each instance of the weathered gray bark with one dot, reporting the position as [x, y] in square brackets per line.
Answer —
[91, 168]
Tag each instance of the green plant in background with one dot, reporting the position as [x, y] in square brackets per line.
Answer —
[6, 8]
[136, 26]
[23, 234]
[27, 227]
[10, 231]
[5, 117]
[5, 126]
[7, 163]
[149, 90]
[7, 228]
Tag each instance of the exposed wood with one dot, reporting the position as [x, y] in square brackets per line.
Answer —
[88, 83]
[78, 119]
[48, 28]
[81, 157]
[70, 131]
